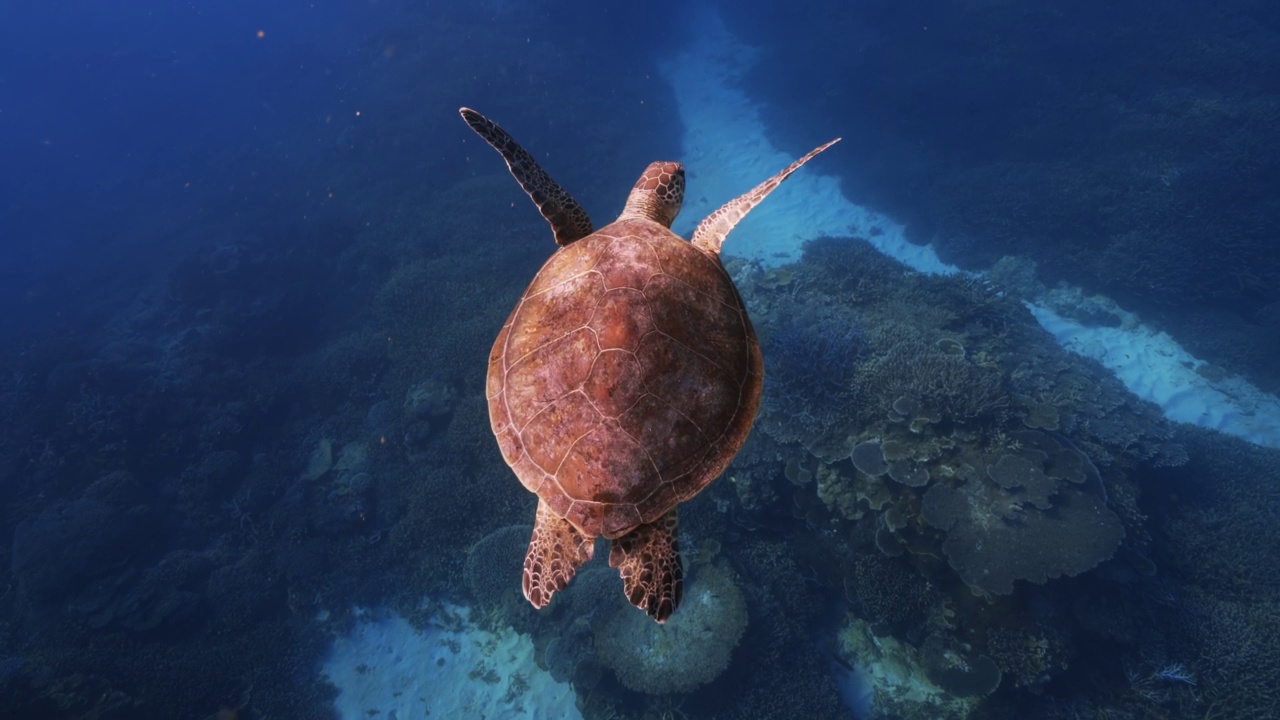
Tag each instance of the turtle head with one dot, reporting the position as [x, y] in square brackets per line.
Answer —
[658, 194]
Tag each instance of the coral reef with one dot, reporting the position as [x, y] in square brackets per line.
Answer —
[1221, 532]
[964, 461]
[428, 406]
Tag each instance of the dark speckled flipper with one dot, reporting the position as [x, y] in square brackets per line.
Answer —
[648, 558]
[568, 220]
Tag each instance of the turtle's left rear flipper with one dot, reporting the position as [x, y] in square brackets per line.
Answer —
[556, 551]
[568, 220]
[648, 559]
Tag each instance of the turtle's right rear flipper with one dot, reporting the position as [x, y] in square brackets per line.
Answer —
[568, 220]
[648, 559]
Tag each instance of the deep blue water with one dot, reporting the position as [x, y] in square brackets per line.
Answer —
[252, 264]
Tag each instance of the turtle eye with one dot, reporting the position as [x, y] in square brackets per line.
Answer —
[674, 187]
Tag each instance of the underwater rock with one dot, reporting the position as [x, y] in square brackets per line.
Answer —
[428, 408]
[64, 550]
[380, 419]
[320, 460]
[495, 565]
[430, 400]
[895, 676]
[346, 505]
[691, 649]
[353, 459]
[343, 500]
[960, 673]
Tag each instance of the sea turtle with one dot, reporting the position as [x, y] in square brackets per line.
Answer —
[625, 379]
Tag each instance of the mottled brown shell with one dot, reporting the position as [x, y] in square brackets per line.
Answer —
[625, 379]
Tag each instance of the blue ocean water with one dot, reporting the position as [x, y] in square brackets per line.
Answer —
[1017, 454]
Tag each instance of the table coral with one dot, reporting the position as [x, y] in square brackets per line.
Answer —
[993, 541]
[868, 457]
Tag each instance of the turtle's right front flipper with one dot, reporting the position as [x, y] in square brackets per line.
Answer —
[710, 234]
[568, 220]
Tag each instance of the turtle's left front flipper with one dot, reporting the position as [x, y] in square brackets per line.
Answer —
[648, 559]
[568, 220]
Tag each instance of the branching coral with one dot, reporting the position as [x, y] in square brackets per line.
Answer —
[885, 591]
[811, 354]
[1241, 655]
[932, 378]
